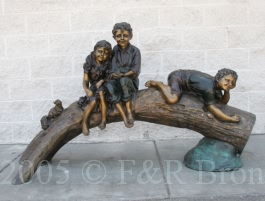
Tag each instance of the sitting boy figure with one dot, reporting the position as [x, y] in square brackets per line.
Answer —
[207, 87]
[126, 66]
[96, 72]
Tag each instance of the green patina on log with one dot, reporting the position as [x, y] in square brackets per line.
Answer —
[213, 155]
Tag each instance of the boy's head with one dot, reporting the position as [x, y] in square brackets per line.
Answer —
[102, 50]
[122, 33]
[226, 79]
[122, 26]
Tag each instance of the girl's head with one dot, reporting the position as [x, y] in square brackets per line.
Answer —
[102, 50]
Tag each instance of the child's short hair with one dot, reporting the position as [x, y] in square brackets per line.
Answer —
[223, 72]
[122, 26]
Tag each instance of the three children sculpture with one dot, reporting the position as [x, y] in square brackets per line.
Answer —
[114, 74]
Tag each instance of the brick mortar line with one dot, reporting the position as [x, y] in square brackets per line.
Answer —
[3, 7]
[162, 170]
[177, 28]
[76, 99]
[143, 51]
[48, 99]
[124, 7]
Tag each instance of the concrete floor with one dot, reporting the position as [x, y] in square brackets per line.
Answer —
[149, 170]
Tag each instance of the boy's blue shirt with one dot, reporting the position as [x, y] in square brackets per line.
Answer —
[125, 60]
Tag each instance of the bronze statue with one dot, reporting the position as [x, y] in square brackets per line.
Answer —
[115, 74]
[205, 86]
[96, 70]
[126, 66]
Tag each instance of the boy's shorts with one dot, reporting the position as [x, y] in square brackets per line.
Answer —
[176, 81]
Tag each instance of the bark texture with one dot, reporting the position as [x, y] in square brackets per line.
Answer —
[148, 106]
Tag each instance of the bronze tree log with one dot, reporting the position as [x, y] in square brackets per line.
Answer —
[148, 106]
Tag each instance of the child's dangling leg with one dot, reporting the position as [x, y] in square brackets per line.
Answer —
[88, 110]
[122, 113]
[128, 105]
[103, 108]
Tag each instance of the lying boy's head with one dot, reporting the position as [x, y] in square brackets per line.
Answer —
[225, 71]
[226, 79]
[122, 26]
[102, 50]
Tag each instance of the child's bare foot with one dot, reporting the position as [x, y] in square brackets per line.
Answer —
[102, 125]
[152, 83]
[85, 130]
[130, 118]
[129, 125]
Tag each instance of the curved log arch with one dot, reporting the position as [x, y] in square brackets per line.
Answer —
[148, 106]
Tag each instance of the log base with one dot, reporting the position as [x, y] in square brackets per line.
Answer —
[148, 106]
[214, 156]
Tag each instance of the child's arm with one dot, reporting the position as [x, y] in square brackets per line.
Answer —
[99, 83]
[86, 85]
[136, 63]
[128, 74]
[114, 72]
[226, 97]
[115, 76]
[221, 116]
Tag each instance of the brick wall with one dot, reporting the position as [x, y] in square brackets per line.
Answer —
[43, 44]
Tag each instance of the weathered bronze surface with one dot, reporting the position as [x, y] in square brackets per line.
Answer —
[52, 115]
[96, 70]
[213, 155]
[209, 89]
[203, 85]
[125, 69]
[148, 106]
[111, 79]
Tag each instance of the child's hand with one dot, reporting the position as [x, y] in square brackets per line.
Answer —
[235, 119]
[99, 83]
[89, 93]
[121, 75]
[115, 76]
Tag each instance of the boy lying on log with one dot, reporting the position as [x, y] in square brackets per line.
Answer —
[207, 87]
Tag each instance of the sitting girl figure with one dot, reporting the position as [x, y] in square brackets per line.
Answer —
[126, 66]
[95, 74]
